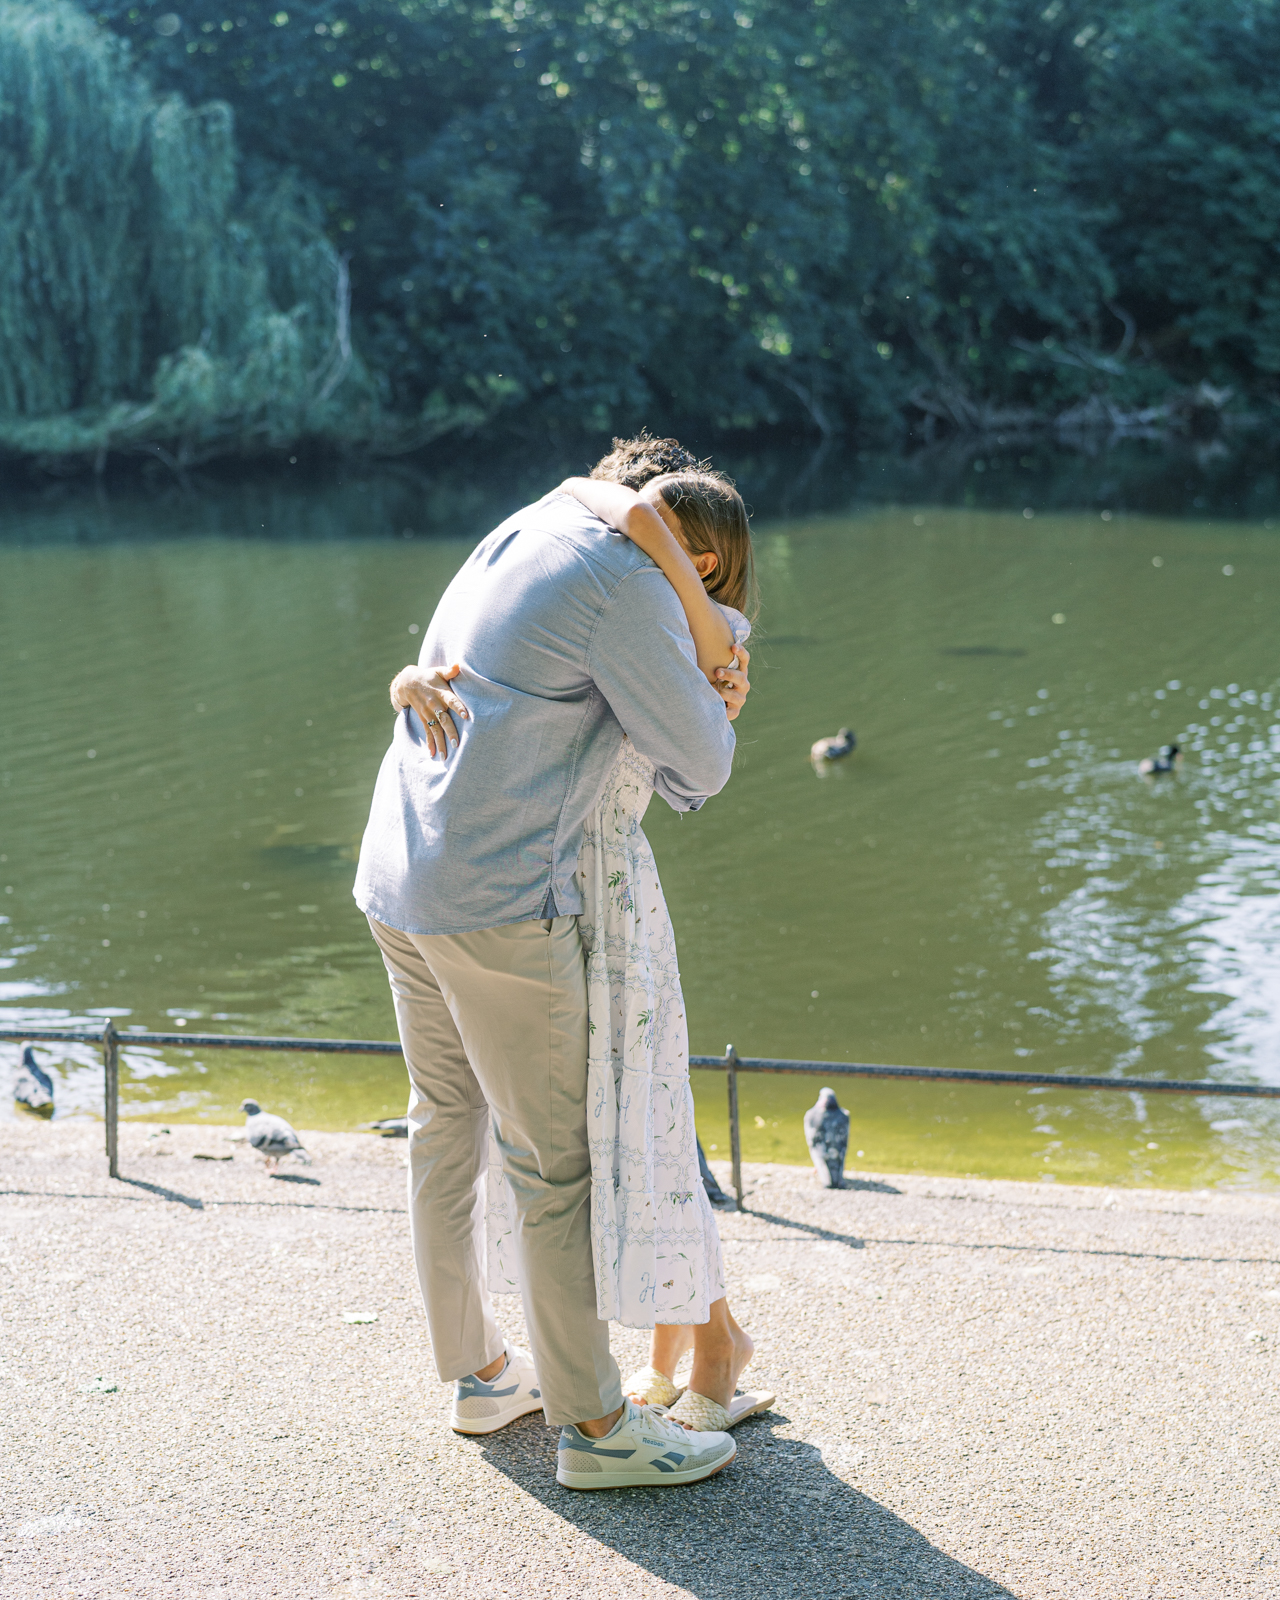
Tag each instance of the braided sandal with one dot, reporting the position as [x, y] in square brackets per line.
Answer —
[704, 1415]
[649, 1387]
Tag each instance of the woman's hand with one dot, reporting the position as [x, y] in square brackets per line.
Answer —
[732, 684]
[423, 689]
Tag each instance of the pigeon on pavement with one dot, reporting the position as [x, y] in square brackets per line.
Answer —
[271, 1136]
[826, 1132]
[33, 1087]
[389, 1127]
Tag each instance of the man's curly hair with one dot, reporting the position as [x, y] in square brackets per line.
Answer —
[634, 462]
[710, 510]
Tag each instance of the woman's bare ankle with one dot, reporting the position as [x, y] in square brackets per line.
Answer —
[720, 1357]
[668, 1347]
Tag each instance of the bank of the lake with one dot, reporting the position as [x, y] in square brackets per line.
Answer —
[985, 1390]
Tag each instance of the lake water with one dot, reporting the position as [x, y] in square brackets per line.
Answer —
[194, 707]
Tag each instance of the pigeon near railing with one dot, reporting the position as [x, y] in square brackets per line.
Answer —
[388, 1127]
[270, 1136]
[33, 1087]
[826, 1132]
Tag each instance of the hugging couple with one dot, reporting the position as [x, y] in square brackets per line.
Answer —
[589, 652]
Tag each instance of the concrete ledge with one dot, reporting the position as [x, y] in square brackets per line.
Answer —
[985, 1389]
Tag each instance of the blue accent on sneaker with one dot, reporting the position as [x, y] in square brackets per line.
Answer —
[481, 1406]
[571, 1439]
[477, 1386]
[645, 1448]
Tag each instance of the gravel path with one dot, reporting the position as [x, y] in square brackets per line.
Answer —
[985, 1389]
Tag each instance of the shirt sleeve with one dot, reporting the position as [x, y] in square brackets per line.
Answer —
[643, 661]
[739, 625]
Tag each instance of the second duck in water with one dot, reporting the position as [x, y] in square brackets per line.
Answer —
[1169, 760]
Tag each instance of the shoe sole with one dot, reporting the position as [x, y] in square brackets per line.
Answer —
[492, 1424]
[743, 1406]
[641, 1480]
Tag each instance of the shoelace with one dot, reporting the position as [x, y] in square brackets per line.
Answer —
[659, 1420]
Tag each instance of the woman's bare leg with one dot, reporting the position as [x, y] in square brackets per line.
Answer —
[667, 1347]
[721, 1350]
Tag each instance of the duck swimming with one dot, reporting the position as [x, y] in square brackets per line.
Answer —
[841, 744]
[1169, 760]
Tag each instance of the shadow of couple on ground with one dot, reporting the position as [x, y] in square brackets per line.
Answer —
[776, 1522]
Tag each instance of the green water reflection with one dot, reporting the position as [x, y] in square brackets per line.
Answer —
[190, 728]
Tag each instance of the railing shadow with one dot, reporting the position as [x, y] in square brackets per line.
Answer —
[165, 1194]
[775, 1523]
[217, 1201]
[1035, 1248]
[827, 1234]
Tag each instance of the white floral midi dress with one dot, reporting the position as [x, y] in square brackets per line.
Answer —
[654, 1239]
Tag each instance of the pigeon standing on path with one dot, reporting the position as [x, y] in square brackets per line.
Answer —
[33, 1087]
[826, 1132]
[271, 1136]
[388, 1127]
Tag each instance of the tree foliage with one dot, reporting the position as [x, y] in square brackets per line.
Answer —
[612, 210]
[145, 300]
[592, 213]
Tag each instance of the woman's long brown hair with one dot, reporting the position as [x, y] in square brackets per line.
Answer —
[714, 520]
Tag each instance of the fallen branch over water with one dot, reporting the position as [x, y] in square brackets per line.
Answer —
[1199, 411]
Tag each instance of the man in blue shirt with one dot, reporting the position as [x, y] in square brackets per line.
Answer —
[569, 638]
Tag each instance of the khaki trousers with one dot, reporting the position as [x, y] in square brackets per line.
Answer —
[494, 1025]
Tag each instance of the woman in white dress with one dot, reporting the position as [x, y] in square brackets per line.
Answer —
[655, 1243]
[654, 1234]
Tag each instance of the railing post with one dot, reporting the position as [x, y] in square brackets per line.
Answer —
[111, 1096]
[735, 1133]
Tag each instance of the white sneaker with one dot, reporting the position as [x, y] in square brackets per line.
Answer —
[480, 1407]
[646, 1448]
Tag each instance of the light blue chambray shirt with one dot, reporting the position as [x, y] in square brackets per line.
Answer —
[569, 638]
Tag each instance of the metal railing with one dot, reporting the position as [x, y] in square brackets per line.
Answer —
[731, 1062]
[110, 1040]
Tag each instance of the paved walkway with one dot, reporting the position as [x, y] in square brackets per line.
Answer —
[986, 1389]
